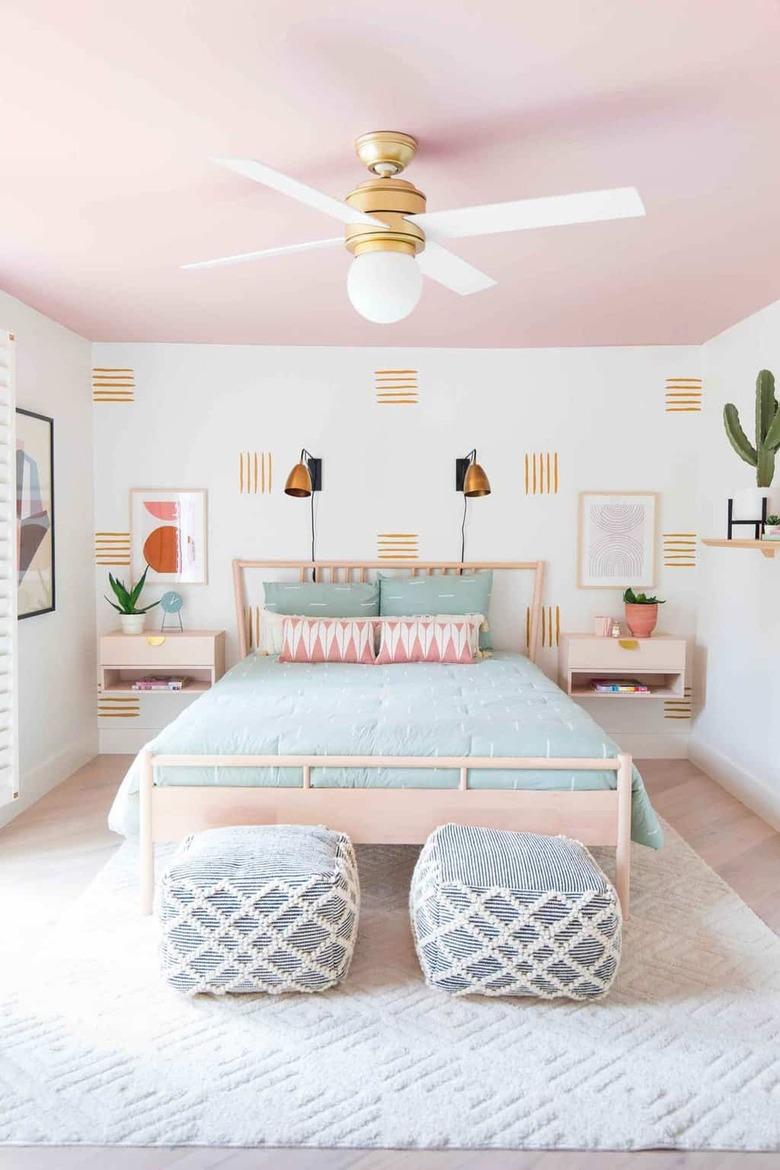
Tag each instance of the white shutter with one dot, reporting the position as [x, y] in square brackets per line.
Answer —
[9, 770]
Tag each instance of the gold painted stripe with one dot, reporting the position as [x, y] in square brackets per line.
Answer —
[398, 402]
[525, 472]
[112, 370]
[394, 371]
[556, 472]
[683, 410]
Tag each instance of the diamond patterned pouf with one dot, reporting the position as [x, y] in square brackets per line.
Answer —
[259, 908]
[500, 913]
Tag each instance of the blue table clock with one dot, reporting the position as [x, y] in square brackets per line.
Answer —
[170, 604]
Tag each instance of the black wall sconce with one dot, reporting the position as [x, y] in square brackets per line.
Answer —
[303, 481]
[471, 479]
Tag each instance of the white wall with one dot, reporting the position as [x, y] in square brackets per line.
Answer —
[57, 650]
[739, 608]
[391, 468]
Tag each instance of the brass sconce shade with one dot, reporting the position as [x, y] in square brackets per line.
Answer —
[298, 481]
[305, 478]
[475, 482]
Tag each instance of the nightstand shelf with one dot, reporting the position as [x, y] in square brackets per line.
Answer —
[659, 662]
[198, 654]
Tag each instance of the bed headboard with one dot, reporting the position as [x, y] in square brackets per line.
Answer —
[247, 617]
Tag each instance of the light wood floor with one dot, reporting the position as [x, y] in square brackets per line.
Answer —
[50, 853]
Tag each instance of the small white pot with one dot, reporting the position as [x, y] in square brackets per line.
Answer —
[132, 623]
[748, 503]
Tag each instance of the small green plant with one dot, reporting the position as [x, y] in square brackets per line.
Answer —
[128, 598]
[773, 520]
[762, 456]
[632, 598]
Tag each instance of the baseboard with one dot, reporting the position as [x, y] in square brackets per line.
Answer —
[36, 782]
[736, 780]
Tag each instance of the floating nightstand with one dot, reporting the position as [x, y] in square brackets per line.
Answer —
[658, 661]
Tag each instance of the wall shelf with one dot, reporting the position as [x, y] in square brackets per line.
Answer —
[768, 547]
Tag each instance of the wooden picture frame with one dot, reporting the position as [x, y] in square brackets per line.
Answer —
[616, 539]
[169, 533]
[36, 566]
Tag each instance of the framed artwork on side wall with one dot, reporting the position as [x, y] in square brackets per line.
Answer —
[616, 540]
[168, 530]
[34, 513]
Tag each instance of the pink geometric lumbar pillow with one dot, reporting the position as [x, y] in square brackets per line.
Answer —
[426, 639]
[327, 640]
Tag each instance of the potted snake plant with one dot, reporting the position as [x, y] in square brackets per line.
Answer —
[641, 613]
[132, 616]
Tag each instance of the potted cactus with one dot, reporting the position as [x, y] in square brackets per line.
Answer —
[762, 455]
[772, 528]
[641, 613]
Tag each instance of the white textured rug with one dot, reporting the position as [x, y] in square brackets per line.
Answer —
[685, 1052]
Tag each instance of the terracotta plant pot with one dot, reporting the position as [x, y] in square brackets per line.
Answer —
[641, 619]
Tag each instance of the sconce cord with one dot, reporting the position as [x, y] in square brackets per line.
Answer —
[463, 530]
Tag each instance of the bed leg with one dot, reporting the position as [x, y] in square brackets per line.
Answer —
[145, 840]
[623, 851]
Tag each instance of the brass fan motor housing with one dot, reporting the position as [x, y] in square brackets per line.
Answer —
[390, 200]
[386, 152]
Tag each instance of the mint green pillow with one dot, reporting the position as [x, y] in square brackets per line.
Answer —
[409, 596]
[315, 599]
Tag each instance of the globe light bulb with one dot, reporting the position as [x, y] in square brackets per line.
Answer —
[384, 286]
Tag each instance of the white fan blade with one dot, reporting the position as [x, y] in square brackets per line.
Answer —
[283, 251]
[336, 208]
[522, 214]
[450, 270]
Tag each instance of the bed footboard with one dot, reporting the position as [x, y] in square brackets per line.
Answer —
[389, 815]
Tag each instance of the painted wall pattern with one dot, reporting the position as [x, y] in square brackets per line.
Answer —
[388, 475]
[255, 472]
[683, 395]
[112, 548]
[113, 384]
[397, 546]
[541, 473]
[396, 387]
[680, 549]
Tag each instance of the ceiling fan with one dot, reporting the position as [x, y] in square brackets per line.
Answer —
[395, 241]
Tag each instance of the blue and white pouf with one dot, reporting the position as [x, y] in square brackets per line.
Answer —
[501, 913]
[270, 908]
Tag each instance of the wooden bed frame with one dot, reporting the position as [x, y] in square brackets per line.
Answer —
[387, 815]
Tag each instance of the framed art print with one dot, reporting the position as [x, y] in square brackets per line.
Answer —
[34, 513]
[168, 531]
[616, 546]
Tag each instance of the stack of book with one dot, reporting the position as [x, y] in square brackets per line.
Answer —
[161, 682]
[620, 686]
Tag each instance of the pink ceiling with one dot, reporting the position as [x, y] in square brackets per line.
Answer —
[110, 113]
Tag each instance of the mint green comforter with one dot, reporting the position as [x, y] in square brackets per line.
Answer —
[501, 706]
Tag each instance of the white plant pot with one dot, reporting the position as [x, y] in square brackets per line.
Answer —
[132, 623]
[748, 503]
